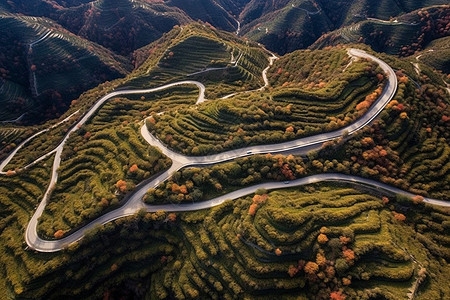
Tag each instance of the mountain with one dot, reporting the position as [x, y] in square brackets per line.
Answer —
[284, 26]
[44, 67]
[437, 55]
[106, 37]
[402, 35]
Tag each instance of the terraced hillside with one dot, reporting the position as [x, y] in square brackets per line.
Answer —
[402, 35]
[10, 137]
[437, 55]
[311, 242]
[43, 67]
[196, 52]
[122, 26]
[106, 160]
[290, 111]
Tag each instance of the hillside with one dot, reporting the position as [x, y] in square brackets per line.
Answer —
[437, 55]
[200, 165]
[44, 67]
[284, 26]
[402, 35]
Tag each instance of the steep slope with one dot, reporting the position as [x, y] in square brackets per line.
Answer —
[207, 11]
[403, 35]
[42, 61]
[437, 55]
[122, 26]
[292, 27]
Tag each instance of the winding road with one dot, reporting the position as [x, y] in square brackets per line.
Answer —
[134, 201]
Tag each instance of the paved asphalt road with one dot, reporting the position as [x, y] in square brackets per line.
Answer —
[134, 201]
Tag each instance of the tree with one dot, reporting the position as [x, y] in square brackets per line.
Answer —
[134, 168]
[344, 240]
[311, 267]
[114, 267]
[322, 238]
[417, 199]
[278, 252]
[59, 234]
[121, 185]
[321, 259]
[172, 217]
[292, 270]
[252, 209]
[337, 295]
[346, 281]
[399, 217]
[349, 255]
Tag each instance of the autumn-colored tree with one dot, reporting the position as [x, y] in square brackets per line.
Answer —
[344, 240]
[348, 254]
[278, 252]
[183, 189]
[10, 173]
[380, 77]
[399, 217]
[417, 199]
[322, 238]
[292, 270]
[114, 267]
[134, 168]
[290, 129]
[258, 199]
[337, 295]
[321, 259]
[104, 202]
[385, 200]
[346, 281]
[175, 188]
[59, 234]
[121, 185]
[330, 271]
[172, 217]
[403, 115]
[252, 209]
[218, 186]
[311, 267]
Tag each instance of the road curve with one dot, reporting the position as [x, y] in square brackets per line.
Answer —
[134, 202]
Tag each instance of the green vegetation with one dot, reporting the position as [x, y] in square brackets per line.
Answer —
[44, 62]
[403, 35]
[194, 184]
[301, 103]
[10, 137]
[285, 29]
[185, 52]
[437, 55]
[319, 241]
[107, 158]
[307, 242]
[408, 146]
